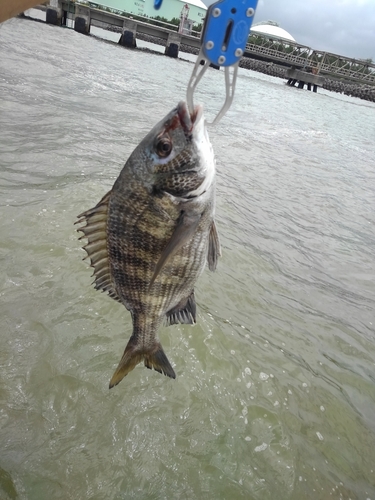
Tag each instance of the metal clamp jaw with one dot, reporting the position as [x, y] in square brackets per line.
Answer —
[225, 33]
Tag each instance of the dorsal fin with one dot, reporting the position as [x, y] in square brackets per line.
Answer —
[214, 250]
[185, 312]
[96, 233]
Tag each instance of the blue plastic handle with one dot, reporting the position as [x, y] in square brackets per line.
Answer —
[157, 4]
[226, 30]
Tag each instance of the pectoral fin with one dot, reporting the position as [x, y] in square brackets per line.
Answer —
[214, 250]
[186, 226]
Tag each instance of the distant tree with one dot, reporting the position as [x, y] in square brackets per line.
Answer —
[255, 39]
[175, 21]
[268, 23]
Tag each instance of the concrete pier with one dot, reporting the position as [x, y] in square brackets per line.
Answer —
[129, 34]
[173, 45]
[303, 78]
[82, 19]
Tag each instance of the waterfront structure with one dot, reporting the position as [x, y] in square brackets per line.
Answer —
[169, 9]
[271, 29]
[274, 52]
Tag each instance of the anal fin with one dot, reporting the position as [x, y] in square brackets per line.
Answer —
[185, 312]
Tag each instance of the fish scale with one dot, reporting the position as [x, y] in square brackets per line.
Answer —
[151, 236]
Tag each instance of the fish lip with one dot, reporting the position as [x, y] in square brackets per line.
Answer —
[189, 120]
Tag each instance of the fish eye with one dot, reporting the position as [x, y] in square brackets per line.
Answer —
[164, 146]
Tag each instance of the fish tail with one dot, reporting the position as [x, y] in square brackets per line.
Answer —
[153, 357]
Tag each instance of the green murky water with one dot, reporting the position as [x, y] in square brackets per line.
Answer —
[275, 389]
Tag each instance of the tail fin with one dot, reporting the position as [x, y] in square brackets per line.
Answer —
[153, 358]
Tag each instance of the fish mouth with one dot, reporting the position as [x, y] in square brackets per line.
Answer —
[189, 120]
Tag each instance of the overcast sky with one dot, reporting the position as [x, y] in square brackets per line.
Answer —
[344, 27]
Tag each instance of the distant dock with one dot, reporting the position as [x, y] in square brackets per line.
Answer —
[300, 65]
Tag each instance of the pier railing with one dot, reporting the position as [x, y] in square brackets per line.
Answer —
[275, 55]
[359, 70]
[290, 53]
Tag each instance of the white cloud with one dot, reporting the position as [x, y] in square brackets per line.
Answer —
[345, 27]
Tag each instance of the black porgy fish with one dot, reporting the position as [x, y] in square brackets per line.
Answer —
[150, 237]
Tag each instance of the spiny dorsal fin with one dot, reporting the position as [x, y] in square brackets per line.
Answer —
[96, 233]
[185, 312]
[214, 250]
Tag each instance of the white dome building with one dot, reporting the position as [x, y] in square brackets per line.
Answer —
[271, 29]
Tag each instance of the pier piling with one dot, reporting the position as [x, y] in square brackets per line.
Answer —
[129, 33]
[173, 45]
[82, 20]
[54, 12]
[304, 78]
